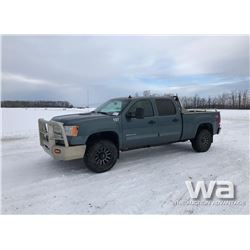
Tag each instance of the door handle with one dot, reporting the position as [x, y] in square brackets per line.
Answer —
[152, 122]
[175, 120]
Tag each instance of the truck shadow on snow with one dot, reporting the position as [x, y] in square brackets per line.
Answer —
[128, 158]
[156, 153]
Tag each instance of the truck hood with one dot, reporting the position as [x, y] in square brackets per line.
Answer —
[73, 119]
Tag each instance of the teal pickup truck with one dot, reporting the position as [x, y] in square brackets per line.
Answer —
[126, 123]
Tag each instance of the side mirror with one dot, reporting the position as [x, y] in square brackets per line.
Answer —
[139, 113]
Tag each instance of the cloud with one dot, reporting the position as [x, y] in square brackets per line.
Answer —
[69, 67]
[211, 89]
[24, 79]
[215, 55]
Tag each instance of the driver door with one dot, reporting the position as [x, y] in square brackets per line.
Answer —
[140, 132]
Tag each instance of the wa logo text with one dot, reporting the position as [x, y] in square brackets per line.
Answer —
[221, 189]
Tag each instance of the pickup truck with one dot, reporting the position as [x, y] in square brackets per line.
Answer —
[122, 124]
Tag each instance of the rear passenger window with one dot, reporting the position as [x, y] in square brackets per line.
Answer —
[146, 105]
[165, 107]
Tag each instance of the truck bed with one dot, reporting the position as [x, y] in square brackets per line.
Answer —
[193, 118]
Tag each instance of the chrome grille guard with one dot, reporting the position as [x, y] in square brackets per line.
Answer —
[50, 132]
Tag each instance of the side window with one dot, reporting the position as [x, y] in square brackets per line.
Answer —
[146, 105]
[165, 107]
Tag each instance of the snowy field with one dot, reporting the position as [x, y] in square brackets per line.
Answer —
[19, 123]
[144, 181]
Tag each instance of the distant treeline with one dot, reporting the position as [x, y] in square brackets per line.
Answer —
[232, 100]
[36, 104]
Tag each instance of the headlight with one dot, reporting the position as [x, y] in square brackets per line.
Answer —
[71, 130]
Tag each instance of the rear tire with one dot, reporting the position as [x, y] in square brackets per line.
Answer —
[202, 141]
[101, 156]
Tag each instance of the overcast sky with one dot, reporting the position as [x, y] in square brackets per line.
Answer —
[74, 67]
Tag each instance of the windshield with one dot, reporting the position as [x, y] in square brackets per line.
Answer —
[112, 107]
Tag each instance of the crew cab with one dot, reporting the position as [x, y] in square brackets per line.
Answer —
[123, 124]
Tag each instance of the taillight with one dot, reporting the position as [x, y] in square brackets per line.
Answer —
[217, 118]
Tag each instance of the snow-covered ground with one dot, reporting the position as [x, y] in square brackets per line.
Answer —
[144, 181]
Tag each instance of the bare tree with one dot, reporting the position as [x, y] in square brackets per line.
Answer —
[244, 98]
[239, 99]
[233, 98]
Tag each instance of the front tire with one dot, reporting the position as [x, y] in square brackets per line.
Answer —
[202, 141]
[101, 156]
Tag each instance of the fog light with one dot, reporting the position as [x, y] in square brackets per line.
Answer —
[57, 151]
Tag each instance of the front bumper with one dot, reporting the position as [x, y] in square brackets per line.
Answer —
[51, 132]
